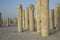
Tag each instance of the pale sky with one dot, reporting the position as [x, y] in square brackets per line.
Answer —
[8, 8]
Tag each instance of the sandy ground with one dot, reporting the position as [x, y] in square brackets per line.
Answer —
[10, 33]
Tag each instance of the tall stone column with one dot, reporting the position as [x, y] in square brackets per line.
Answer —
[51, 19]
[26, 18]
[19, 18]
[38, 15]
[57, 17]
[23, 19]
[44, 17]
[31, 17]
[0, 19]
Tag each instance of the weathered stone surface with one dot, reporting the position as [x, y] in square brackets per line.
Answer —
[19, 18]
[42, 10]
[31, 17]
[38, 15]
[26, 18]
[23, 19]
[51, 19]
[57, 16]
[44, 17]
[7, 21]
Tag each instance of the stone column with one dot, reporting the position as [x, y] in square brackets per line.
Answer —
[51, 19]
[23, 19]
[35, 23]
[31, 17]
[26, 18]
[7, 22]
[0, 20]
[15, 21]
[3, 22]
[57, 17]
[38, 15]
[19, 18]
[44, 18]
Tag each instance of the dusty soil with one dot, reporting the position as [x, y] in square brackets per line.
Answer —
[10, 33]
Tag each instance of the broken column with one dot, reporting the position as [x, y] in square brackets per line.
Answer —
[57, 16]
[19, 18]
[44, 18]
[38, 15]
[51, 19]
[26, 18]
[31, 17]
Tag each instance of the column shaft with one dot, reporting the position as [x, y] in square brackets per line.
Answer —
[38, 15]
[15, 21]
[19, 18]
[51, 19]
[57, 17]
[31, 17]
[26, 19]
[44, 17]
[23, 19]
[7, 22]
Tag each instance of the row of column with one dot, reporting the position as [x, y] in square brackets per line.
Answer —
[45, 21]
[55, 18]
[8, 21]
[25, 18]
[42, 17]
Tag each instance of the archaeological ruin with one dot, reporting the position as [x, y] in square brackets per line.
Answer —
[45, 20]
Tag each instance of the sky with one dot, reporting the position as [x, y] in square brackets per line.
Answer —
[8, 8]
